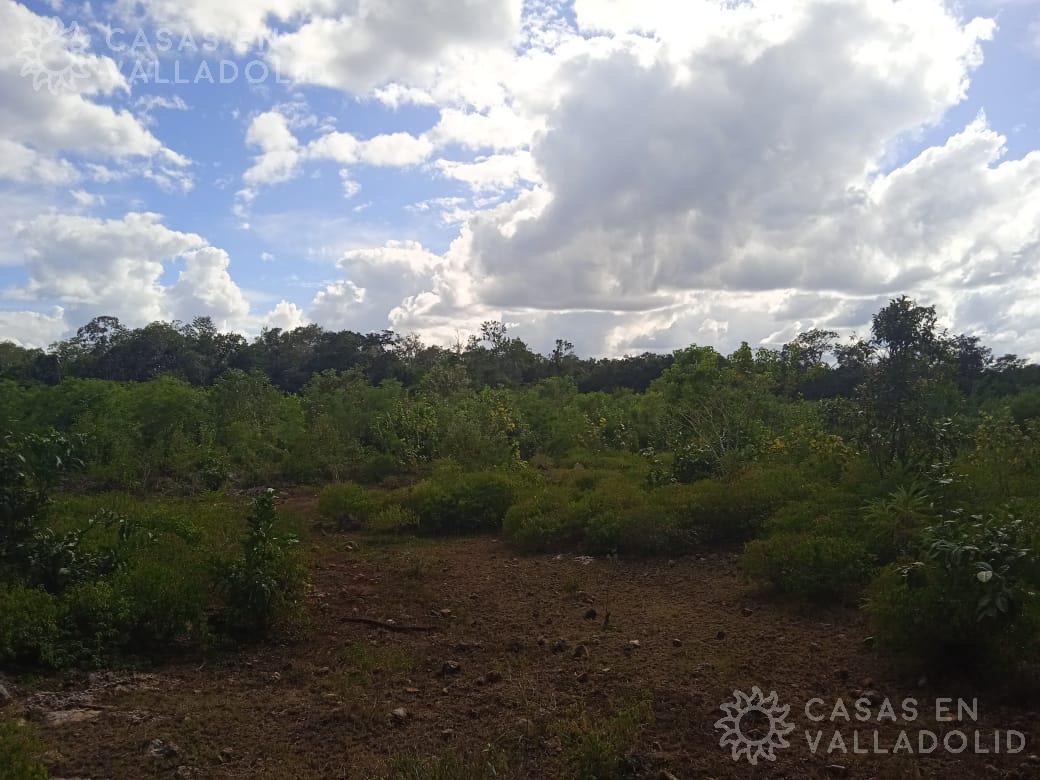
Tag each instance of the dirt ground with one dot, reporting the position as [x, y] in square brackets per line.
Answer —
[511, 661]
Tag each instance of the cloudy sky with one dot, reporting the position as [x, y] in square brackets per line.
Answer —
[629, 174]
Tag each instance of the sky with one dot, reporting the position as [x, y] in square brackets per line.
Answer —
[630, 175]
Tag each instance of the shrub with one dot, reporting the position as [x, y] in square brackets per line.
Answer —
[262, 585]
[810, 567]
[970, 600]
[718, 512]
[94, 622]
[394, 519]
[348, 505]
[21, 754]
[373, 469]
[165, 598]
[28, 626]
[462, 503]
[541, 521]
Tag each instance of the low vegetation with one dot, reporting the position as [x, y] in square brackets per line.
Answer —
[901, 472]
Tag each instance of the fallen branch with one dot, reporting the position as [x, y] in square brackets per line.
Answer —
[387, 625]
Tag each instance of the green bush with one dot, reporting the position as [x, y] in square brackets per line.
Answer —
[21, 754]
[394, 519]
[462, 503]
[28, 626]
[95, 619]
[348, 505]
[374, 469]
[542, 521]
[970, 602]
[809, 567]
[262, 585]
[166, 598]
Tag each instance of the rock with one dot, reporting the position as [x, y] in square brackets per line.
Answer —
[666, 775]
[837, 770]
[447, 733]
[582, 677]
[445, 613]
[399, 715]
[5, 693]
[542, 641]
[720, 635]
[747, 612]
[160, 749]
[591, 614]
[676, 643]
[581, 652]
[450, 668]
[68, 717]
[634, 643]
[560, 645]
[225, 755]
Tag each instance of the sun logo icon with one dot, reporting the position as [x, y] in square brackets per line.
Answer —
[755, 726]
[54, 55]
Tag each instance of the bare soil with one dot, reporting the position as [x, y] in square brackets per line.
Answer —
[485, 677]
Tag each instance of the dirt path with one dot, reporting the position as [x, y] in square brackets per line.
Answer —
[525, 654]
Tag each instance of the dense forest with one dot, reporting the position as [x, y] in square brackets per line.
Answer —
[898, 472]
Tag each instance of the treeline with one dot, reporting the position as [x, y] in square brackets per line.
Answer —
[199, 354]
[814, 365]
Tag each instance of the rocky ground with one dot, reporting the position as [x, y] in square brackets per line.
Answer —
[456, 658]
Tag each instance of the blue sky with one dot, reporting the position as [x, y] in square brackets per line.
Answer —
[629, 175]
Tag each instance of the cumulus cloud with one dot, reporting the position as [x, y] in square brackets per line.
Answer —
[32, 328]
[45, 118]
[115, 266]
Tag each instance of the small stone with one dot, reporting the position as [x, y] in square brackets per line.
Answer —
[720, 635]
[447, 733]
[747, 612]
[445, 613]
[581, 651]
[400, 714]
[5, 694]
[591, 613]
[560, 645]
[676, 643]
[542, 641]
[411, 690]
[450, 667]
[837, 770]
[634, 643]
[160, 749]
[582, 677]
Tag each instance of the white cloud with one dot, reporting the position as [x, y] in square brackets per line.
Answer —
[38, 126]
[284, 315]
[387, 41]
[33, 328]
[94, 266]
